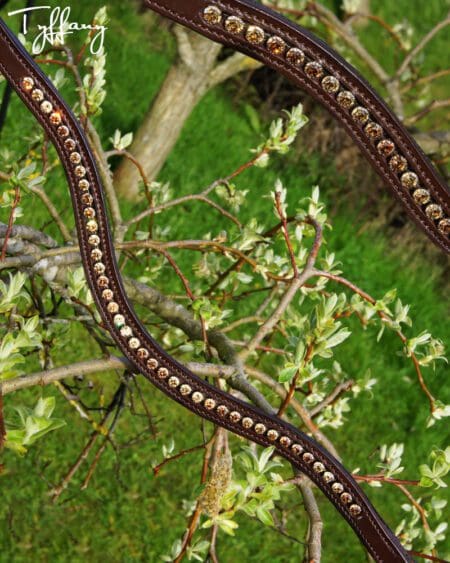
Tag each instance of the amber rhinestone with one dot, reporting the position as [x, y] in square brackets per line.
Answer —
[276, 45]
[233, 24]
[103, 281]
[134, 343]
[272, 434]
[152, 363]
[80, 171]
[297, 449]
[255, 35]
[337, 488]
[163, 373]
[142, 353]
[185, 389]
[63, 131]
[314, 70]
[37, 95]
[46, 107]
[96, 254]
[89, 212]
[126, 331]
[285, 441]
[355, 509]
[398, 163]
[373, 130]
[87, 199]
[119, 321]
[330, 84]
[210, 403]
[360, 115]
[197, 397]
[410, 180]
[99, 268]
[173, 381]
[247, 422]
[319, 467]
[212, 14]
[92, 226]
[444, 226]
[94, 240]
[328, 477]
[308, 457]
[434, 211]
[421, 196]
[222, 410]
[55, 118]
[27, 83]
[108, 294]
[346, 498]
[235, 416]
[112, 307]
[70, 144]
[386, 147]
[346, 99]
[295, 56]
[260, 428]
[75, 158]
[83, 185]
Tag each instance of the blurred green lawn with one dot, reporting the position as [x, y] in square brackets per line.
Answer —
[139, 520]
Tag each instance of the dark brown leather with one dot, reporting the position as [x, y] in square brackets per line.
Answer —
[98, 254]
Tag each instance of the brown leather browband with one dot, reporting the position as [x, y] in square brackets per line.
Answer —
[309, 63]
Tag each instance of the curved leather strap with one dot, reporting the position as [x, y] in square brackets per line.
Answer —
[308, 62]
[105, 282]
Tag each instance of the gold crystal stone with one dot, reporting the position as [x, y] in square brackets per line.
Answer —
[89, 212]
[80, 171]
[173, 381]
[410, 180]
[75, 157]
[87, 199]
[276, 45]
[152, 363]
[185, 389]
[46, 106]
[314, 70]
[222, 410]
[27, 83]
[83, 185]
[247, 422]
[134, 343]
[108, 295]
[197, 397]
[295, 56]
[285, 441]
[398, 163]
[337, 488]
[55, 118]
[444, 226]
[212, 14]
[272, 434]
[297, 449]
[37, 95]
[163, 373]
[360, 114]
[260, 428]
[434, 211]
[92, 226]
[421, 196]
[99, 268]
[255, 35]
[142, 353]
[386, 147]
[70, 144]
[96, 254]
[112, 307]
[210, 403]
[233, 24]
[346, 498]
[328, 477]
[346, 99]
[103, 281]
[330, 84]
[319, 467]
[235, 416]
[126, 331]
[63, 131]
[94, 240]
[308, 457]
[373, 130]
[355, 509]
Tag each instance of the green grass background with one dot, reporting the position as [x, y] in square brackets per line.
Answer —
[139, 520]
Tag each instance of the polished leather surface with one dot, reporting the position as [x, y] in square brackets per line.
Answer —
[16, 64]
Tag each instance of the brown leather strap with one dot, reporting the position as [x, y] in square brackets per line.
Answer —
[308, 62]
[105, 282]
